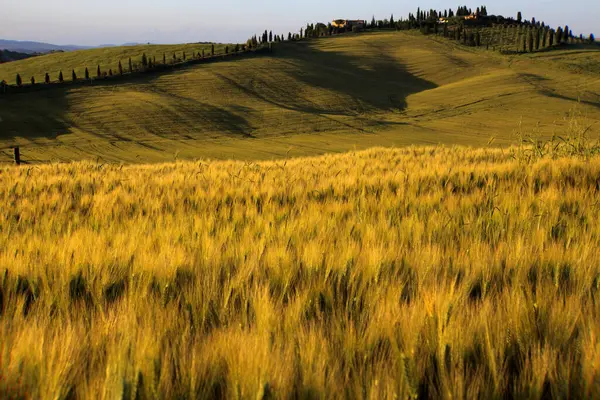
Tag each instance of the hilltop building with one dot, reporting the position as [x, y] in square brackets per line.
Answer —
[347, 23]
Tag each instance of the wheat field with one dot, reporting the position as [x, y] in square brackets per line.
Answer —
[429, 272]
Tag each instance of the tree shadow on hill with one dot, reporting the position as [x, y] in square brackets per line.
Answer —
[550, 93]
[351, 84]
[55, 111]
[537, 81]
[32, 115]
[572, 48]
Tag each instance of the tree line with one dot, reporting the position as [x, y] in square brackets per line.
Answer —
[463, 25]
[460, 24]
[143, 63]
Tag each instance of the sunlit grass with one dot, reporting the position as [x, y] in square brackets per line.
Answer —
[415, 272]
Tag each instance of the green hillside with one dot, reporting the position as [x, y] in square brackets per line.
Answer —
[310, 97]
[107, 58]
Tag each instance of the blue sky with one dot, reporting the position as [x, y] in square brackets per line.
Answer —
[175, 21]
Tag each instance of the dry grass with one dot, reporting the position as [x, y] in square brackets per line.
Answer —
[417, 272]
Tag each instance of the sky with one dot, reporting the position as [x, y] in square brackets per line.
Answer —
[181, 21]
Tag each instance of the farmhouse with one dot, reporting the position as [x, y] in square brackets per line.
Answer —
[347, 23]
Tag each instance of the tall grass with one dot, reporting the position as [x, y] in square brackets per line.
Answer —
[575, 142]
[409, 273]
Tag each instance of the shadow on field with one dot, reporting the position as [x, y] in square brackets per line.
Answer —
[142, 107]
[549, 93]
[537, 82]
[379, 81]
[204, 114]
[371, 83]
[50, 113]
[33, 115]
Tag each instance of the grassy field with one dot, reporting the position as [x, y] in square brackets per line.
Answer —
[424, 272]
[313, 97]
[107, 58]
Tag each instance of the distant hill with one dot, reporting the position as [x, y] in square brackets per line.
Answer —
[7, 56]
[36, 47]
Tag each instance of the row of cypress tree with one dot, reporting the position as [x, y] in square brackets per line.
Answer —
[520, 38]
[145, 63]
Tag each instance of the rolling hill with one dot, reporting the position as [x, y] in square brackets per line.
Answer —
[105, 57]
[310, 97]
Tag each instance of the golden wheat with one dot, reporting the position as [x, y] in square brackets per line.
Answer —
[402, 273]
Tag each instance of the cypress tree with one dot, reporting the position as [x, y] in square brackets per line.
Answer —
[270, 36]
[519, 17]
[537, 39]
[130, 66]
[74, 76]
[47, 78]
[544, 37]
[566, 34]
[184, 56]
[164, 59]
[19, 80]
[530, 41]
[87, 74]
[32, 80]
[144, 60]
[61, 79]
[110, 72]
[226, 49]
[99, 74]
[558, 38]
[212, 50]
[120, 68]
[550, 38]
